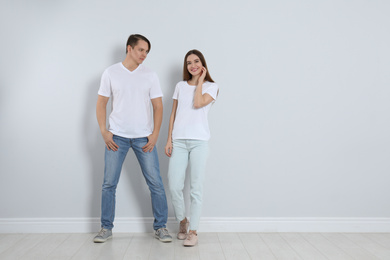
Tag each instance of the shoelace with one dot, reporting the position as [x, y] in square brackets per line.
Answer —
[164, 231]
[102, 232]
[189, 236]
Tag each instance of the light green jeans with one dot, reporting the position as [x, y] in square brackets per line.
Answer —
[186, 151]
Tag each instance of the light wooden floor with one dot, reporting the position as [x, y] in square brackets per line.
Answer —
[213, 246]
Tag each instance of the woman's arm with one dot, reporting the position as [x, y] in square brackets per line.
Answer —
[201, 100]
[168, 146]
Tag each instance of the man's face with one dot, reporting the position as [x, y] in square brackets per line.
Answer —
[139, 52]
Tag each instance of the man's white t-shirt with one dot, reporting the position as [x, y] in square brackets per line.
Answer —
[131, 93]
[192, 123]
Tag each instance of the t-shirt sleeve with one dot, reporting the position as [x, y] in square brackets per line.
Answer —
[155, 90]
[105, 85]
[176, 93]
[212, 91]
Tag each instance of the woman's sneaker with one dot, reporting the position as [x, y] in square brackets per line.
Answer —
[183, 230]
[103, 236]
[191, 240]
[163, 235]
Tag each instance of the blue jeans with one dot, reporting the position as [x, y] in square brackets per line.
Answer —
[151, 171]
[194, 152]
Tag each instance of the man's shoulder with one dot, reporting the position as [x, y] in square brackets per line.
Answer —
[147, 70]
[111, 69]
[114, 66]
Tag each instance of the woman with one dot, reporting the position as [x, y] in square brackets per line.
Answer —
[188, 140]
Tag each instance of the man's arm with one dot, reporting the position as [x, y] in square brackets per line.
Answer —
[157, 119]
[101, 112]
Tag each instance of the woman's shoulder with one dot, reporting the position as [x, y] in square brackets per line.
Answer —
[211, 84]
[181, 83]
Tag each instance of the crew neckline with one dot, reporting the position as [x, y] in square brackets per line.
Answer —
[194, 85]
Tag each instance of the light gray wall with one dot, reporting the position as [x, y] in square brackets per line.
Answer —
[301, 127]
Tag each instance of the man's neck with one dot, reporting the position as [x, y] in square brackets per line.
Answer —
[130, 64]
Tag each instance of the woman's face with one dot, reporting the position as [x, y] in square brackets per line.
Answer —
[194, 65]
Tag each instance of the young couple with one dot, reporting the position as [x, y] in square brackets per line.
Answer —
[135, 91]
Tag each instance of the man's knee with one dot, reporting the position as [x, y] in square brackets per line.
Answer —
[107, 185]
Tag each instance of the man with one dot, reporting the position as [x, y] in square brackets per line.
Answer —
[134, 89]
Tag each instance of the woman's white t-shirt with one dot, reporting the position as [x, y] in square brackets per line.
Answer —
[131, 93]
[192, 123]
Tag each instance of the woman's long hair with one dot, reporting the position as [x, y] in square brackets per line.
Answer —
[187, 75]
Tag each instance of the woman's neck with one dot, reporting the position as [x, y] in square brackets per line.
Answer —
[194, 80]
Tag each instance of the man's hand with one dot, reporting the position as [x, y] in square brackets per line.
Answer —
[110, 144]
[152, 140]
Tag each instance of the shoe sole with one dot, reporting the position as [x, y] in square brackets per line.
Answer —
[190, 245]
[164, 240]
[101, 240]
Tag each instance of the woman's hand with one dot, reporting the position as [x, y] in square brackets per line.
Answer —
[202, 75]
[168, 148]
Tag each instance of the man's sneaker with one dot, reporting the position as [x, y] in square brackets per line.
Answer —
[103, 236]
[163, 235]
[183, 230]
[191, 240]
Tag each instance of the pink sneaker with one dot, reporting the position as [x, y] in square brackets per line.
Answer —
[183, 230]
[191, 240]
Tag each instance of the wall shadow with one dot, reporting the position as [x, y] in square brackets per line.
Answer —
[94, 142]
[95, 150]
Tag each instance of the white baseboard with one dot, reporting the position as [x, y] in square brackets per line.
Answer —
[87, 225]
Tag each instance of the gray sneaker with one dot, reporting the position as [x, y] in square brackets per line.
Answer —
[103, 236]
[163, 235]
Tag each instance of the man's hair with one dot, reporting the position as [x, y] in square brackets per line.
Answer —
[133, 40]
